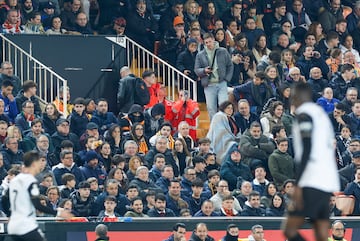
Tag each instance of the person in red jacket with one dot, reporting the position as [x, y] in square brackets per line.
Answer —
[185, 109]
[153, 87]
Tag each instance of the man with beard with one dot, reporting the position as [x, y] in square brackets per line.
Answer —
[337, 231]
[178, 233]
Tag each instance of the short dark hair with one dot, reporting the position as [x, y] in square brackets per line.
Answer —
[67, 177]
[66, 144]
[254, 194]
[283, 139]
[159, 155]
[160, 197]
[276, 129]
[30, 157]
[79, 101]
[331, 35]
[28, 84]
[197, 183]
[178, 225]
[346, 67]
[7, 83]
[213, 173]
[225, 104]
[36, 121]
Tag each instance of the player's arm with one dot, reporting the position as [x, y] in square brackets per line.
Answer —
[306, 127]
[34, 192]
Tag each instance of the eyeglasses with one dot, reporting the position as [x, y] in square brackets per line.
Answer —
[191, 174]
[65, 125]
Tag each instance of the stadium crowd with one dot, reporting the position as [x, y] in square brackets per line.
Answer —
[147, 161]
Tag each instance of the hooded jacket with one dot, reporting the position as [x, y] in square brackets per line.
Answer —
[127, 121]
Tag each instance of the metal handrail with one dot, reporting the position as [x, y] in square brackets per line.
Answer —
[171, 76]
[26, 67]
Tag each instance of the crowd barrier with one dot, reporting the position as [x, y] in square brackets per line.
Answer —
[158, 229]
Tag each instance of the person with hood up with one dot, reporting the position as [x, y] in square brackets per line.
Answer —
[92, 167]
[135, 114]
[154, 117]
[233, 170]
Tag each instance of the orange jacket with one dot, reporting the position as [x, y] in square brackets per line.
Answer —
[189, 115]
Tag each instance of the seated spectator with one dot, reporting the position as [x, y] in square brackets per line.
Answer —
[342, 80]
[26, 10]
[255, 147]
[69, 182]
[269, 193]
[251, 31]
[260, 49]
[135, 115]
[34, 25]
[53, 196]
[174, 200]
[223, 131]
[277, 206]
[317, 82]
[67, 165]
[26, 116]
[68, 16]
[210, 161]
[9, 102]
[342, 143]
[109, 212]
[12, 24]
[327, 101]
[183, 133]
[243, 195]
[244, 117]
[28, 92]
[252, 207]
[137, 134]
[11, 153]
[201, 233]
[78, 119]
[112, 136]
[259, 182]
[207, 210]
[233, 170]
[196, 200]
[347, 45]
[154, 117]
[3, 117]
[59, 102]
[47, 181]
[29, 140]
[350, 98]
[281, 164]
[111, 189]
[181, 155]
[199, 167]
[7, 73]
[272, 21]
[186, 180]
[92, 168]
[208, 17]
[102, 117]
[158, 165]
[49, 118]
[222, 189]
[346, 173]
[161, 147]
[310, 59]
[55, 27]
[285, 28]
[160, 209]
[353, 189]
[167, 174]
[83, 201]
[326, 45]
[143, 182]
[339, 118]
[227, 207]
[272, 117]
[136, 209]
[134, 163]
[354, 116]
[119, 175]
[299, 20]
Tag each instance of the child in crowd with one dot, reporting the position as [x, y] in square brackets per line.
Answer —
[69, 182]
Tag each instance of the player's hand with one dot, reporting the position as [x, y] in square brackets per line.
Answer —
[63, 213]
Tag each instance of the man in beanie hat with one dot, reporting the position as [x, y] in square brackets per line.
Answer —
[92, 168]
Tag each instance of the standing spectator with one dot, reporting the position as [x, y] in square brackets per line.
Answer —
[186, 109]
[213, 65]
[142, 26]
[152, 86]
[300, 21]
[102, 117]
[78, 119]
[7, 73]
[185, 61]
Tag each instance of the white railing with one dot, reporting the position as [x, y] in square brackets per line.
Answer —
[141, 59]
[26, 67]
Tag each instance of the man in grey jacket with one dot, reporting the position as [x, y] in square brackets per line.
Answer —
[214, 66]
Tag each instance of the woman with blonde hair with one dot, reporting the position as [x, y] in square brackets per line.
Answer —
[134, 163]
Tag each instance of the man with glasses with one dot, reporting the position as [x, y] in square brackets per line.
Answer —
[26, 116]
[337, 231]
[222, 188]
[67, 165]
[7, 73]
[11, 153]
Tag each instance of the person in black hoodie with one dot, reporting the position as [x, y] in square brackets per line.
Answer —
[78, 119]
[134, 115]
[154, 117]
[232, 233]
[186, 59]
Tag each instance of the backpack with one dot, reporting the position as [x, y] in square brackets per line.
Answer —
[142, 94]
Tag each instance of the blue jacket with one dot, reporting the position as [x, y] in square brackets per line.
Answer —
[163, 183]
[121, 206]
[354, 189]
[78, 123]
[104, 121]
[10, 108]
[96, 172]
[306, 65]
[250, 211]
[60, 170]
